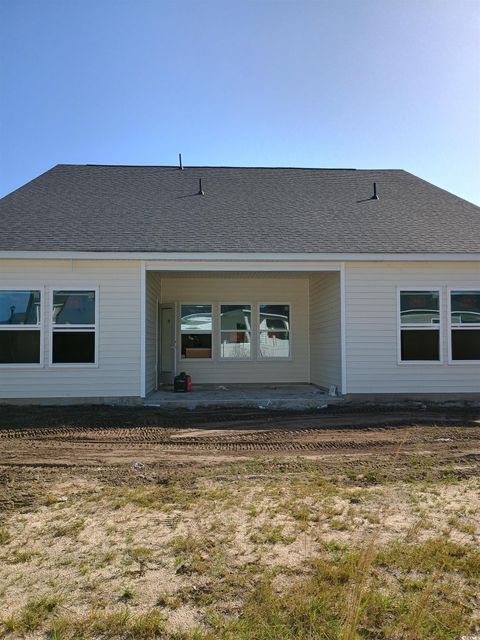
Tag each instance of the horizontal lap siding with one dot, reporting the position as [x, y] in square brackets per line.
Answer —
[152, 297]
[118, 373]
[371, 328]
[246, 290]
[325, 330]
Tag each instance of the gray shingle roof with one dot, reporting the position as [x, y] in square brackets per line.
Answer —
[157, 209]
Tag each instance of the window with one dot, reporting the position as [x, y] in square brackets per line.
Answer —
[196, 330]
[274, 327]
[235, 331]
[465, 326]
[20, 327]
[74, 327]
[420, 326]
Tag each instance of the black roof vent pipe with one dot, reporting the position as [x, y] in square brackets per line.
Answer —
[180, 163]
[201, 192]
[374, 197]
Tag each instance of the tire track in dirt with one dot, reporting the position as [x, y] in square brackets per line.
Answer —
[70, 443]
[266, 437]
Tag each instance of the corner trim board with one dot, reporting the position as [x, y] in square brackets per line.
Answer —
[343, 328]
[142, 329]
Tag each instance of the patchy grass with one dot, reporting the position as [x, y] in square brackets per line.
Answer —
[19, 557]
[5, 535]
[71, 529]
[32, 616]
[435, 554]
[271, 534]
[118, 624]
[162, 498]
[127, 594]
[257, 550]
[317, 607]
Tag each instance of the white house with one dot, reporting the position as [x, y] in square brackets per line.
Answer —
[113, 278]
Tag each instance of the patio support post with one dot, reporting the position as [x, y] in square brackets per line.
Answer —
[343, 326]
[142, 328]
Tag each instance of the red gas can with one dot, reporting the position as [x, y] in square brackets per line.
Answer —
[182, 382]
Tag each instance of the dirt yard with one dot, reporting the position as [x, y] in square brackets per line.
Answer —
[130, 523]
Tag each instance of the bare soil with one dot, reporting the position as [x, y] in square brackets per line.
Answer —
[139, 510]
[92, 436]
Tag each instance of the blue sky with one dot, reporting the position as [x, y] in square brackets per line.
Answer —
[337, 83]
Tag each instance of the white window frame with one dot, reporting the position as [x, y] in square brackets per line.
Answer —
[182, 332]
[26, 327]
[421, 327]
[261, 358]
[252, 331]
[74, 327]
[451, 326]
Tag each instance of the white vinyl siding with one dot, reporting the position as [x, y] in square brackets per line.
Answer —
[118, 371]
[325, 330]
[371, 323]
[254, 290]
[153, 295]
[372, 327]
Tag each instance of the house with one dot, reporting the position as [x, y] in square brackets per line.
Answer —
[114, 278]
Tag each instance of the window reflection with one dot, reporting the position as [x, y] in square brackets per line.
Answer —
[274, 330]
[235, 330]
[74, 307]
[19, 307]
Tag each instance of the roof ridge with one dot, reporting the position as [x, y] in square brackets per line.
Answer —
[211, 166]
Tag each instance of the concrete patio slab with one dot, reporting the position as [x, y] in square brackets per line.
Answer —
[279, 396]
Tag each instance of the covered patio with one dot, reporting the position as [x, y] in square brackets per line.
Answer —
[263, 335]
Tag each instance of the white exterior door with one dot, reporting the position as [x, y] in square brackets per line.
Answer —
[166, 343]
